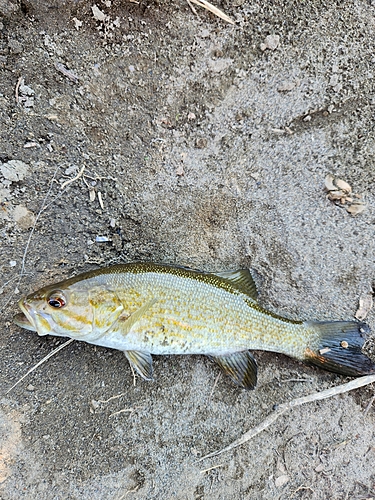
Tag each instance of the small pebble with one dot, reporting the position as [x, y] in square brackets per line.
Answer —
[30, 388]
[101, 239]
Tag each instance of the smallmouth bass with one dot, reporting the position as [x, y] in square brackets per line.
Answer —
[144, 309]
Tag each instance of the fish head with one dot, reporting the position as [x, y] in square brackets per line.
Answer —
[82, 311]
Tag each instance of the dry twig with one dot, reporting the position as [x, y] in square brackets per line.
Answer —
[17, 88]
[78, 176]
[283, 408]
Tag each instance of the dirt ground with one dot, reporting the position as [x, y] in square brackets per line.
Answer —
[204, 144]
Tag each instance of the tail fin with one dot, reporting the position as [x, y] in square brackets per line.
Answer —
[340, 348]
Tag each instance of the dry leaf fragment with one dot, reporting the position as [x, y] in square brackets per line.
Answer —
[365, 306]
[335, 195]
[344, 186]
[356, 208]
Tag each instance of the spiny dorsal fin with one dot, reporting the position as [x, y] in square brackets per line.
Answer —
[241, 367]
[141, 362]
[242, 280]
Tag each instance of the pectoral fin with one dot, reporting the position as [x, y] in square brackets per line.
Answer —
[129, 322]
[241, 367]
[141, 362]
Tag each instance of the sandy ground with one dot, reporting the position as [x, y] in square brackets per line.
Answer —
[195, 147]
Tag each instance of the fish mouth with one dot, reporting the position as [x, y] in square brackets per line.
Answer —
[24, 321]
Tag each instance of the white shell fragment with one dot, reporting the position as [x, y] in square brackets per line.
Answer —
[365, 306]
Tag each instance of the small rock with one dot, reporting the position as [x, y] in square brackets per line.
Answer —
[14, 170]
[97, 13]
[180, 170]
[201, 143]
[334, 80]
[77, 23]
[12, 263]
[95, 404]
[15, 47]
[30, 388]
[286, 86]
[271, 42]
[281, 480]
[23, 217]
[25, 89]
[101, 239]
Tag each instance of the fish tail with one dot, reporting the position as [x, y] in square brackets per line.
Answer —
[339, 347]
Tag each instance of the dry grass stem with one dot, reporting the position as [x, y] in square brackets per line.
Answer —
[211, 468]
[111, 398]
[283, 408]
[215, 383]
[52, 353]
[369, 405]
[213, 9]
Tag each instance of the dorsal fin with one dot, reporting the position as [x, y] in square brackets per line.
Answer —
[242, 280]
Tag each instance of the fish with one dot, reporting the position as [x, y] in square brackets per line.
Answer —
[146, 309]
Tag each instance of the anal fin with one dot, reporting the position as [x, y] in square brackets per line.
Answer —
[141, 362]
[241, 367]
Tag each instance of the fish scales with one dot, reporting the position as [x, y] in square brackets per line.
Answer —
[146, 308]
[192, 316]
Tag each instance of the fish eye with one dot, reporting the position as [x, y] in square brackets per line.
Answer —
[56, 300]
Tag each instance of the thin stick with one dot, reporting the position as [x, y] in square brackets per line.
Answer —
[211, 468]
[192, 8]
[213, 9]
[52, 353]
[29, 239]
[216, 381]
[283, 408]
[69, 181]
[369, 405]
